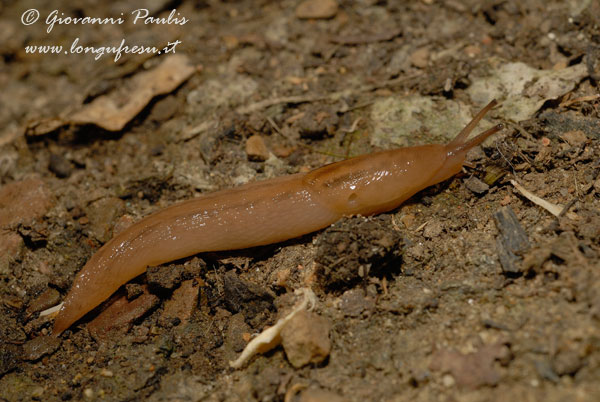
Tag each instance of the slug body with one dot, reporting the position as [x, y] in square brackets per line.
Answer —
[265, 212]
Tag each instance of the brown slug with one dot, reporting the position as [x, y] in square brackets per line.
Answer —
[266, 212]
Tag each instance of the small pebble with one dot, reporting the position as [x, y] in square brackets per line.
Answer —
[134, 290]
[123, 223]
[408, 220]
[164, 109]
[476, 186]
[432, 229]
[256, 149]
[317, 9]
[448, 381]
[37, 392]
[420, 58]
[77, 379]
[472, 50]
[60, 166]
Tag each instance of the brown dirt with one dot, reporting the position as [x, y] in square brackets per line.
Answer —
[418, 302]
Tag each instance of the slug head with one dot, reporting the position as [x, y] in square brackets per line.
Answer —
[457, 149]
[456, 153]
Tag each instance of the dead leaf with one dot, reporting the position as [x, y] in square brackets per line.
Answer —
[117, 108]
[43, 126]
[114, 110]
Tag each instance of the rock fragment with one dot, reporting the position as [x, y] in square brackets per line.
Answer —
[476, 186]
[472, 370]
[103, 214]
[165, 278]
[10, 248]
[245, 296]
[353, 249]
[271, 337]
[182, 303]
[118, 318]
[433, 229]
[237, 331]
[354, 303]
[567, 362]
[305, 339]
[256, 149]
[24, 201]
[40, 346]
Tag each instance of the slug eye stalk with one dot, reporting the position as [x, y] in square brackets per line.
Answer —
[478, 140]
[464, 133]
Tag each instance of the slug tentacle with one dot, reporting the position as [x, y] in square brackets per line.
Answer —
[464, 133]
[473, 142]
[265, 212]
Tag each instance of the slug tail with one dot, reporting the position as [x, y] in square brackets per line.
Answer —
[464, 134]
[60, 325]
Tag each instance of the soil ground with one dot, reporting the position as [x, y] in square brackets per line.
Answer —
[418, 302]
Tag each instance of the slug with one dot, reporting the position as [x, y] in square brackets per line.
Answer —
[265, 212]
